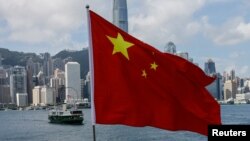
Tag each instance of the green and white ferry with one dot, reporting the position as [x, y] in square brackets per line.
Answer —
[66, 116]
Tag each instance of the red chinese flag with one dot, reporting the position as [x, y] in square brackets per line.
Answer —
[137, 85]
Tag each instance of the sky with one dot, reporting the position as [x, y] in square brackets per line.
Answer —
[216, 29]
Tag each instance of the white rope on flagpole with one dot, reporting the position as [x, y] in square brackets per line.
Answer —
[91, 66]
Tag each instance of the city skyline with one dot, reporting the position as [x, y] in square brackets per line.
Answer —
[216, 29]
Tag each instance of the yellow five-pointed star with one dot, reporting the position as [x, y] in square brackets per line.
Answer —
[120, 45]
[154, 66]
[144, 73]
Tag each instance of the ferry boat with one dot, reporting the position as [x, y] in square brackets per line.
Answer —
[83, 104]
[66, 116]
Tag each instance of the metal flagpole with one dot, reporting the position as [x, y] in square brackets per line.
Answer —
[91, 74]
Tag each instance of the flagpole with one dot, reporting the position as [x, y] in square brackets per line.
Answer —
[91, 74]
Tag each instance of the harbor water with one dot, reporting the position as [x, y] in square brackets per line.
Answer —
[34, 126]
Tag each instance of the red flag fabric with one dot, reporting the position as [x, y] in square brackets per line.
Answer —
[137, 85]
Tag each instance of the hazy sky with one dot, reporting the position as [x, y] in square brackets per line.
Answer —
[217, 29]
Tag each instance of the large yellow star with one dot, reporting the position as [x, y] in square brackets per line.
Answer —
[154, 66]
[120, 45]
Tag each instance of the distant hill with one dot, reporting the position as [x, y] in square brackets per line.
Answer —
[79, 56]
[17, 58]
[20, 58]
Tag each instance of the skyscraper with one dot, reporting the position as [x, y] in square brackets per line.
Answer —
[170, 48]
[72, 81]
[210, 67]
[18, 82]
[29, 70]
[120, 14]
[216, 87]
[232, 75]
[47, 66]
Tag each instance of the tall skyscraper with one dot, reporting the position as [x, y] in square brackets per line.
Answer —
[170, 48]
[120, 14]
[47, 67]
[232, 74]
[72, 81]
[29, 69]
[18, 82]
[210, 67]
[4, 87]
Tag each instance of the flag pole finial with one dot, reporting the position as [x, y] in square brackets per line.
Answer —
[87, 6]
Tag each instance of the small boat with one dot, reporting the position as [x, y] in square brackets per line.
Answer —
[84, 104]
[66, 116]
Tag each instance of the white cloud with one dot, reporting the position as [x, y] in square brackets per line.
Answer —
[236, 55]
[232, 32]
[162, 21]
[40, 21]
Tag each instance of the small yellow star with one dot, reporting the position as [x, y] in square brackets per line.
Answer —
[154, 66]
[144, 73]
[120, 45]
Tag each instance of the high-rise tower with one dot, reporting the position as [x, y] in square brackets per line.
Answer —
[120, 14]
[72, 81]
[18, 82]
[210, 67]
[170, 48]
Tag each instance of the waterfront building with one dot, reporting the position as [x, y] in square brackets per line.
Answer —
[230, 89]
[72, 81]
[18, 82]
[120, 14]
[5, 94]
[36, 94]
[210, 67]
[242, 98]
[22, 99]
[47, 96]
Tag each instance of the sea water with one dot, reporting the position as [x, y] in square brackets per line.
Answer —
[34, 126]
